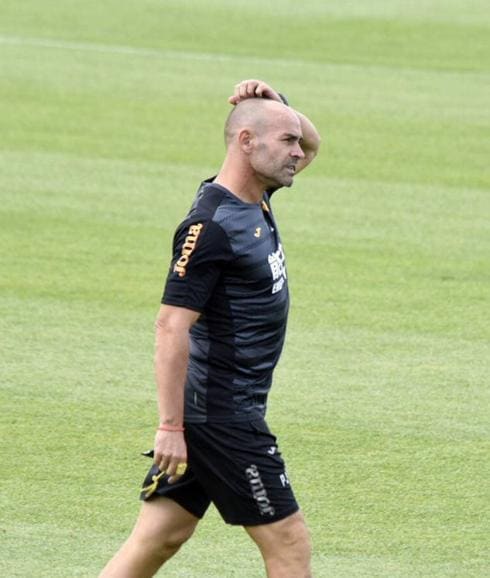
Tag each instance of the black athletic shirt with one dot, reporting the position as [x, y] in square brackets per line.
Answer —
[228, 264]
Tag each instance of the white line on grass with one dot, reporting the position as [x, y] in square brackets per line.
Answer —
[145, 52]
[59, 44]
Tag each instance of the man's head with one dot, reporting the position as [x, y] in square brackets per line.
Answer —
[265, 136]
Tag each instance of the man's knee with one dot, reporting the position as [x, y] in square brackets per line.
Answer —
[164, 542]
[176, 537]
[294, 544]
[161, 529]
[285, 544]
[295, 533]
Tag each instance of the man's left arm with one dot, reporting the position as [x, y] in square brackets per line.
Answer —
[310, 142]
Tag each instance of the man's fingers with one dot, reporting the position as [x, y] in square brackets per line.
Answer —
[246, 88]
[260, 89]
[163, 463]
[174, 478]
[176, 470]
[243, 91]
[252, 89]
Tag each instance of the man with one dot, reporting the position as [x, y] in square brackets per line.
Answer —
[219, 334]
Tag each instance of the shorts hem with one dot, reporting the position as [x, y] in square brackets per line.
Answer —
[264, 521]
[199, 515]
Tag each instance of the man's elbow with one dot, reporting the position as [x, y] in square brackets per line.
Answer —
[173, 320]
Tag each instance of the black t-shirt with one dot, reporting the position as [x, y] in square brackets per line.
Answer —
[228, 264]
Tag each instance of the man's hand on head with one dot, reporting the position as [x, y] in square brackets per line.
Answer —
[253, 89]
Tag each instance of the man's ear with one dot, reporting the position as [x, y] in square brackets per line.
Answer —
[245, 140]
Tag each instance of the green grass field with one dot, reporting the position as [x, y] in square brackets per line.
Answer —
[110, 115]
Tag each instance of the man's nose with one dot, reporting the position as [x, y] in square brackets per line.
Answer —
[298, 152]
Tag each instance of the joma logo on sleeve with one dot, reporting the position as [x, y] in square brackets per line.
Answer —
[187, 249]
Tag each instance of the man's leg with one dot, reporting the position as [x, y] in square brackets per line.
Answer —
[162, 527]
[285, 547]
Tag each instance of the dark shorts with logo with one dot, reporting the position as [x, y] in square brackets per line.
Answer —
[238, 467]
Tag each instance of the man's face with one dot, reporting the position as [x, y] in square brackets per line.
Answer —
[277, 150]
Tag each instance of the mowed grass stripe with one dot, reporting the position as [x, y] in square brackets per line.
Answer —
[215, 57]
[398, 37]
[410, 126]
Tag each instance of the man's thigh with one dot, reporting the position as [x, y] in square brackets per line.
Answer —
[162, 520]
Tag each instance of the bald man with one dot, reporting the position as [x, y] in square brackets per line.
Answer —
[219, 335]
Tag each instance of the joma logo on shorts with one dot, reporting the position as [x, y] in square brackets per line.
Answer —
[258, 491]
[187, 249]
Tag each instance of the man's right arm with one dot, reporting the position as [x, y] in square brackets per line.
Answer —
[171, 359]
[201, 250]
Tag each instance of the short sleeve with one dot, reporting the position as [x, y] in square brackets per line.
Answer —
[200, 252]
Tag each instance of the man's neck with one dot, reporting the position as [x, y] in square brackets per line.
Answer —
[244, 186]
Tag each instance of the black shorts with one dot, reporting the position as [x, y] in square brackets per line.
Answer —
[238, 467]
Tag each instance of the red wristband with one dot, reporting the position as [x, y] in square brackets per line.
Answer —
[169, 427]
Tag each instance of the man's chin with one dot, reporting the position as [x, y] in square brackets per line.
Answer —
[285, 181]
